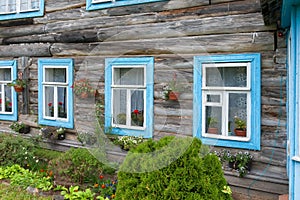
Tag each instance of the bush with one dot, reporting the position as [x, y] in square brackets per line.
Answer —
[15, 149]
[171, 168]
[78, 165]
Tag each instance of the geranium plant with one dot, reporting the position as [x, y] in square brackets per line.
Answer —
[18, 84]
[83, 88]
[173, 88]
[239, 123]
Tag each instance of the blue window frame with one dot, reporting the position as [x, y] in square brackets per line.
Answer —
[100, 4]
[14, 9]
[8, 97]
[129, 96]
[227, 94]
[55, 79]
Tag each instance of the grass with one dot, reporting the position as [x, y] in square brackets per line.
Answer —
[8, 192]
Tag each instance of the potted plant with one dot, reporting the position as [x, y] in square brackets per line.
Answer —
[137, 117]
[20, 127]
[212, 125]
[173, 89]
[18, 84]
[83, 88]
[241, 161]
[240, 127]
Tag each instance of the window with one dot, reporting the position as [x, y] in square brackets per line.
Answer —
[100, 4]
[129, 96]
[8, 97]
[13, 9]
[55, 78]
[227, 100]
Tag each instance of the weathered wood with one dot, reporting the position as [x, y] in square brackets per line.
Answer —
[29, 50]
[241, 42]
[204, 26]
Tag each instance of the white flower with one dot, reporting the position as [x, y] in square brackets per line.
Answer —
[26, 152]
[37, 161]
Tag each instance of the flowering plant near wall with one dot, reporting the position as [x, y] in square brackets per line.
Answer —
[240, 161]
[174, 86]
[83, 88]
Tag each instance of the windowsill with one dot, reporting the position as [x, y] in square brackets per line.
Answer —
[128, 127]
[236, 138]
[296, 158]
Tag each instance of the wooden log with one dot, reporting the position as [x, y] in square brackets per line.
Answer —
[240, 42]
[16, 50]
[233, 23]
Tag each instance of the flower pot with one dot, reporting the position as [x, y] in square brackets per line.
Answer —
[25, 129]
[212, 130]
[18, 88]
[233, 164]
[61, 136]
[239, 132]
[174, 95]
[84, 95]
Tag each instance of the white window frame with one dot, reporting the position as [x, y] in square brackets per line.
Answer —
[3, 96]
[55, 97]
[128, 88]
[224, 92]
[18, 7]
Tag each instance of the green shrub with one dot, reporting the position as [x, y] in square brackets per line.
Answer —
[171, 168]
[79, 165]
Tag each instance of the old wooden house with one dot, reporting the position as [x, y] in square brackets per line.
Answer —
[230, 59]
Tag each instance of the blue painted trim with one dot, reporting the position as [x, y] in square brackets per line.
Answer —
[28, 14]
[14, 115]
[149, 62]
[70, 114]
[117, 3]
[293, 104]
[255, 60]
[286, 11]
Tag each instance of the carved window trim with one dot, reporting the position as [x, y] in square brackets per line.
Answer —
[252, 89]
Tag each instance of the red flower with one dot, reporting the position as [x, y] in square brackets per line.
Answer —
[0, 100]
[103, 186]
[10, 104]
[49, 104]
[136, 112]
[72, 86]
[101, 176]
[60, 103]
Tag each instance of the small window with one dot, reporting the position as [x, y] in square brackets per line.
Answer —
[100, 4]
[227, 96]
[8, 97]
[129, 96]
[13, 9]
[55, 93]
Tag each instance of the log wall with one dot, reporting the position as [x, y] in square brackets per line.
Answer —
[173, 32]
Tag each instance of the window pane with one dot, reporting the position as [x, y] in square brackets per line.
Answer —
[8, 98]
[137, 107]
[129, 76]
[62, 102]
[213, 116]
[34, 4]
[213, 98]
[119, 106]
[226, 76]
[24, 5]
[49, 99]
[237, 108]
[11, 6]
[5, 74]
[55, 75]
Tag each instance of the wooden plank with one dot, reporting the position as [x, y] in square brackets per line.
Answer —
[240, 42]
[232, 24]
[18, 50]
